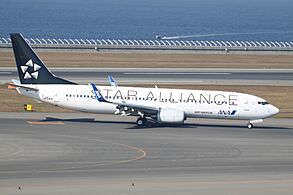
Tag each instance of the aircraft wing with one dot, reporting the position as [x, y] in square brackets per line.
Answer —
[126, 108]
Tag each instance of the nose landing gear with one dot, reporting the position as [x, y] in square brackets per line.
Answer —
[249, 126]
[250, 123]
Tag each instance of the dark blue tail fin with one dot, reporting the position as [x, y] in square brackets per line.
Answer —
[31, 69]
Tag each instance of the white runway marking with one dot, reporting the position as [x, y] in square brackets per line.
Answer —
[5, 72]
[178, 73]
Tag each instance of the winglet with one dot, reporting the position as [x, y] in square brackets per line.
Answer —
[112, 81]
[97, 93]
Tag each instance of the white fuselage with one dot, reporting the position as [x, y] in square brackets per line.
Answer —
[194, 103]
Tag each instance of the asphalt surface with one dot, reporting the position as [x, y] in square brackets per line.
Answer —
[72, 153]
[282, 77]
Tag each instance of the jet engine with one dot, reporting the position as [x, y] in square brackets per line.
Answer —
[167, 115]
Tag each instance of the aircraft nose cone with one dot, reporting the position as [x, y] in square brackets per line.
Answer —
[275, 110]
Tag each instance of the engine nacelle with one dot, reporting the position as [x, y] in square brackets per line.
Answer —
[168, 115]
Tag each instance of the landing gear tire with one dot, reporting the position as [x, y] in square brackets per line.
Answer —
[249, 126]
[141, 121]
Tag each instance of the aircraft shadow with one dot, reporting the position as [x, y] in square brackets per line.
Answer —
[153, 124]
[84, 120]
[189, 125]
[237, 126]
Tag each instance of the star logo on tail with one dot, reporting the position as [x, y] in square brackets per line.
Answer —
[35, 67]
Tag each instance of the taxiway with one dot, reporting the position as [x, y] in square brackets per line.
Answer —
[73, 153]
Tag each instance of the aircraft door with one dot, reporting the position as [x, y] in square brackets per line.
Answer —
[246, 106]
[250, 108]
[56, 96]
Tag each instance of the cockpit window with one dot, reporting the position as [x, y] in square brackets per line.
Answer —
[263, 103]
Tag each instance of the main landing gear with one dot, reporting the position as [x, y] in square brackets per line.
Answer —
[141, 121]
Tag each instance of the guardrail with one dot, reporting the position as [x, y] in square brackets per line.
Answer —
[153, 44]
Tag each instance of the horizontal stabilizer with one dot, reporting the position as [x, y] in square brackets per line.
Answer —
[16, 83]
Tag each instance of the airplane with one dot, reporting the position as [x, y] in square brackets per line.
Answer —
[160, 37]
[162, 105]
